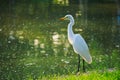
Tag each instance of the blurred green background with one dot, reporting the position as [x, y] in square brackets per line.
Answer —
[33, 41]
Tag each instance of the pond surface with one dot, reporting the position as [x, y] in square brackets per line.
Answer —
[34, 43]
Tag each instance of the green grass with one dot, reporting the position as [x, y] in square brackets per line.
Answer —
[92, 75]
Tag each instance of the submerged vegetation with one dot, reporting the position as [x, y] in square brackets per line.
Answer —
[34, 45]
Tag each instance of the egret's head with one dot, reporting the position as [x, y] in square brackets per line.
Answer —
[67, 17]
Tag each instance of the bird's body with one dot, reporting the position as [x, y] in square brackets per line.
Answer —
[76, 40]
[81, 48]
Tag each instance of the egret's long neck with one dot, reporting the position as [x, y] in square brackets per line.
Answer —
[70, 31]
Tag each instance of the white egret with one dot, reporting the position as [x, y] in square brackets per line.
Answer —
[79, 45]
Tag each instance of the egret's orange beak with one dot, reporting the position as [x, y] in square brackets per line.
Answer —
[63, 18]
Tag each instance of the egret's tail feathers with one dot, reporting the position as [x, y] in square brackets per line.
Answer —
[88, 59]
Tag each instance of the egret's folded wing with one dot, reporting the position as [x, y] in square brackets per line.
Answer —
[81, 48]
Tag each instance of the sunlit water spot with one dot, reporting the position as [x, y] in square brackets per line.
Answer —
[62, 2]
[78, 14]
[55, 51]
[62, 29]
[0, 29]
[79, 30]
[21, 37]
[37, 37]
[55, 38]
[36, 43]
[23, 24]
[62, 60]
[11, 37]
[32, 47]
[43, 51]
[65, 61]
[11, 33]
[19, 33]
[46, 55]
[117, 46]
[65, 48]
[100, 59]
[42, 45]
[49, 23]
[43, 72]
[28, 53]
[29, 64]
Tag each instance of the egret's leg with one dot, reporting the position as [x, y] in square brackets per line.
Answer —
[83, 65]
[78, 62]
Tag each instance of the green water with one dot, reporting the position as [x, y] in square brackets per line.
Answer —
[33, 41]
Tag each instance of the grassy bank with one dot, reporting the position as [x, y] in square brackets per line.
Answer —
[93, 75]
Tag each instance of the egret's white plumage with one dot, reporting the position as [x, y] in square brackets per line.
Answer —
[81, 48]
[77, 41]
